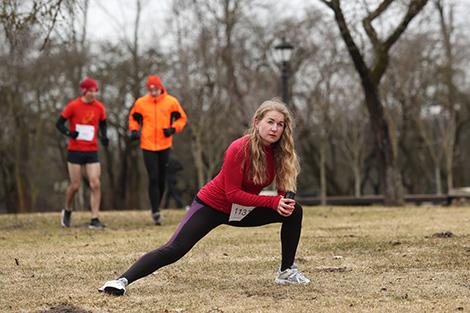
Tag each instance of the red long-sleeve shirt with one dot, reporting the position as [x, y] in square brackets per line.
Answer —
[233, 183]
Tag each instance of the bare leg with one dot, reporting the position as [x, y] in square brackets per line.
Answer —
[75, 179]
[94, 172]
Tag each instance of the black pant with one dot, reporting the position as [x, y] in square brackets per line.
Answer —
[156, 163]
[172, 192]
[200, 220]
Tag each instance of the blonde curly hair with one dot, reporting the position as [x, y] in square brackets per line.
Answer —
[286, 160]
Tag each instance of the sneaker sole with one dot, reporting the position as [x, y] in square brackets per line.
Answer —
[286, 282]
[112, 291]
[95, 227]
[281, 282]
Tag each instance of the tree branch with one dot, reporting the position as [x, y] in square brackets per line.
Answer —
[54, 20]
[382, 49]
[353, 50]
[369, 28]
[413, 9]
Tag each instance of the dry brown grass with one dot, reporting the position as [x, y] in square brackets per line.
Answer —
[364, 259]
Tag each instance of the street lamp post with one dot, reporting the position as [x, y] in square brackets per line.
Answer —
[282, 55]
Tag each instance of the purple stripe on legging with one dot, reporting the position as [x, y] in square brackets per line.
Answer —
[195, 206]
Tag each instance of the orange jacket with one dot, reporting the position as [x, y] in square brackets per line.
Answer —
[157, 114]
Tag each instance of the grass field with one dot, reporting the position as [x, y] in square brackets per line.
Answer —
[361, 259]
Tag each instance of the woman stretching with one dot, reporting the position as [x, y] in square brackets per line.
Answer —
[251, 163]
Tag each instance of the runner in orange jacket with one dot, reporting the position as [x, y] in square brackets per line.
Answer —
[154, 119]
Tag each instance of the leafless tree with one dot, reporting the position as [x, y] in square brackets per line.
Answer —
[446, 19]
[371, 76]
[21, 22]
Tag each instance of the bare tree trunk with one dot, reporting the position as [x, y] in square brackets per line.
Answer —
[130, 176]
[323, 187]
[198, 152]
[446, 31]
[370, 79]
[437, 178]
[450, 160]
[9, 190]
[357, 179]
[388, 167]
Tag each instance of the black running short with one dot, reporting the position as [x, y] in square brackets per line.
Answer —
[83, 157]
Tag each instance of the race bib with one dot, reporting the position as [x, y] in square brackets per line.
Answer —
[238, 212]
[85, 132]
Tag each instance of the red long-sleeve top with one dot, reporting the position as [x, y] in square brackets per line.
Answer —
[233, 184]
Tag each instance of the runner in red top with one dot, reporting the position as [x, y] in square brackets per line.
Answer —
[251, 163]
[87, 117]
[84, 117]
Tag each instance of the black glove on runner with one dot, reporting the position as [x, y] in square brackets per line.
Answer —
[72, 134]
[169, 131]
[60, 124]
[137, 117]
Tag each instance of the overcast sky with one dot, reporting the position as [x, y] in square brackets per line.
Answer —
[107, 19]
[112, 19]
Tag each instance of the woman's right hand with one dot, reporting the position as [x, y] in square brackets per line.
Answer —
[286, 206]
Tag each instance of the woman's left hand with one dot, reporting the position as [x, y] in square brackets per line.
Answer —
[286, 207]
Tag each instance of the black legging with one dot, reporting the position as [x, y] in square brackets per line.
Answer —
[156, 163]
[200, 220]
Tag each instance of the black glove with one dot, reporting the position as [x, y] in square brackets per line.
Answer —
[104, 141]
[175, 115]
[72, 134]
[137, 117]
[169, 131]
[135, 135]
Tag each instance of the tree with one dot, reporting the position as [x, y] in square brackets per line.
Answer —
[450, 94]
[217, 74]
[370, 76]
[20, 22]
[407, 87]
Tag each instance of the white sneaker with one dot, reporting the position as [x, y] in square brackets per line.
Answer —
[291, 276]
[157, 218]
[114, 287]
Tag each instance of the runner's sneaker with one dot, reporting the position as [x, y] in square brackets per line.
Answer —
[65, 217]
[157, 219]
[291, 276]
[96, 224]
[115, 287]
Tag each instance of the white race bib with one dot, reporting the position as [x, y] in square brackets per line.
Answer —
[85, 132]
[238, 212]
